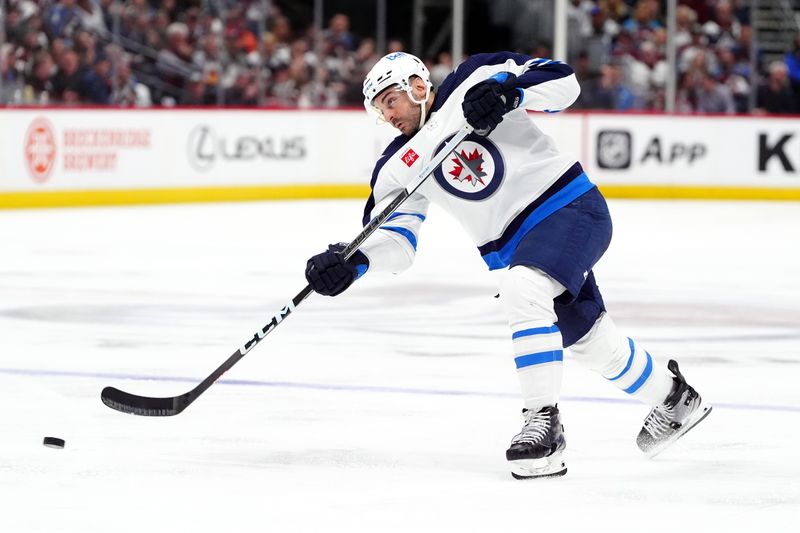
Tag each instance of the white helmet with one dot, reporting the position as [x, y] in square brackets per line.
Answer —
[396, 69]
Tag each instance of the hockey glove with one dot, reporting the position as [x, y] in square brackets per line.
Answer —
[329, 274]
[486, 102]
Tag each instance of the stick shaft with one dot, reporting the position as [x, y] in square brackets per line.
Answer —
[147, 406]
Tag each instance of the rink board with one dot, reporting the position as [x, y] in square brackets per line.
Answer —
[54, 157]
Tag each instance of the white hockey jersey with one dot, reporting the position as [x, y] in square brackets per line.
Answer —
[499, 186]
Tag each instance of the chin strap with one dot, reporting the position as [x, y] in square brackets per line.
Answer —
[422, 104]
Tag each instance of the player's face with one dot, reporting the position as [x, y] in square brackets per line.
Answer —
[398, 110]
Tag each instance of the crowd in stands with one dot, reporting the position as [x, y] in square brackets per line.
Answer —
[228, 52]
[619, 50]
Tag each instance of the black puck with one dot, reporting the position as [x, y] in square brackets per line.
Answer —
[53, 442]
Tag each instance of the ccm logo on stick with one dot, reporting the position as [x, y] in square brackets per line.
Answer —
[409, 157]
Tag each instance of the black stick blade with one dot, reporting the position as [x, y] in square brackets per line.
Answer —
[143, 405]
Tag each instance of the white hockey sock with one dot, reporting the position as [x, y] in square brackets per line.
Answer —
[538, 356]
[528, 294]
[641, 376]
[623, 363]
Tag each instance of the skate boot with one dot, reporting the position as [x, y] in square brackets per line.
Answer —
[536, 450]
[681, 411]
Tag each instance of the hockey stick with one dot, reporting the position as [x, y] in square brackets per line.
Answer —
[170, 406]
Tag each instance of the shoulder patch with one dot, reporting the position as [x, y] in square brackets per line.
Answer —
[409, 157]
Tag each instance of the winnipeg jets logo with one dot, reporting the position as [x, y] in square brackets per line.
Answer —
[469, 167]
[474, 171]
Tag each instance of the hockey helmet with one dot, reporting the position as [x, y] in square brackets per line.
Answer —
[395, 69]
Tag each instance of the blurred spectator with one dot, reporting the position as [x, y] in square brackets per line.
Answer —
[644, 20]
[85, 45]
[597, 45]
[172, 59]
[647, 74]
[442, 68]
[610, 91]
[96, 83]
[244, 91]
[319, 91]
[735, 74]
[39, 79]
[196, 93]
[685, 20]
[775, 94]
[220, 52]
[712, 96]
[207, 59]
[703, 8]
[7, 74]
[395, 45]
[68, 74]
[541, 50]
[792, 61]
[338, 33]
[129, 91]
[579, 25]
[91, 16]
[723, 29]
[62, 18]
[356, 70]
[742, 49]
[289, 82]
[618, 10]
[696, 53]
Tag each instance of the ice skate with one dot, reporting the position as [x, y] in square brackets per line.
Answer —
[537, 450]
[681, 411]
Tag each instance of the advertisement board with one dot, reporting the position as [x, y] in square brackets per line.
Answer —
[97, 156]
[690, 150]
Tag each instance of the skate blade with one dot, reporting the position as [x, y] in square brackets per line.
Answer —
[552, 466]
[697, 417]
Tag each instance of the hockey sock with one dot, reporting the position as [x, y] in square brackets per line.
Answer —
[538, 356]
[528, 296]
[623, 362]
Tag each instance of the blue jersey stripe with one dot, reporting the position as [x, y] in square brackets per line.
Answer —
[492, 246]
[648, 369]
[395, 215]
[465, 70]
[408, 234]
[505, 246]
[539, 358]
[539, 71]
[534, 331]
[543, 71]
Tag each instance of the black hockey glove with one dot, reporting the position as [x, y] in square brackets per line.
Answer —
[486, 102]
[329, 274]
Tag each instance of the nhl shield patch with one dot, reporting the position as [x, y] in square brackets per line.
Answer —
[474, 171]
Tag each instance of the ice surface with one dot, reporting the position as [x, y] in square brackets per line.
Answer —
[388, 408]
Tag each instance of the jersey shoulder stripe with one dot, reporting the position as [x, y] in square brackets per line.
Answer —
[465, 70]
[539, 70]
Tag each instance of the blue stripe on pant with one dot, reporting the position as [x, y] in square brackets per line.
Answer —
[534, 331]
[646, 372]
[538, 358]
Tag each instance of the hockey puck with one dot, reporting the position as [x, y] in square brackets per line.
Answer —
[54, 442]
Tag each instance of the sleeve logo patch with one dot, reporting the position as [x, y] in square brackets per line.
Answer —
[410, 157]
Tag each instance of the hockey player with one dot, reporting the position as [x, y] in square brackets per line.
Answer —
[531, 210]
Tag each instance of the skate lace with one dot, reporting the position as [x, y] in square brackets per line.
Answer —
[535, 428]
[658, 421]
